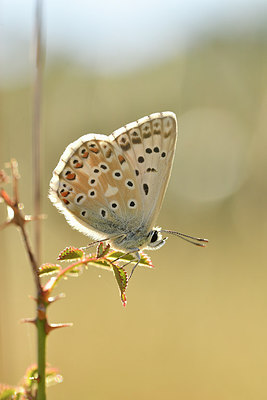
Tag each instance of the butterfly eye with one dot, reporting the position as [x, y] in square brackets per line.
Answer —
[154, 237]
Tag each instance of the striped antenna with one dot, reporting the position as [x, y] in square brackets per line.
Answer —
[191, 239]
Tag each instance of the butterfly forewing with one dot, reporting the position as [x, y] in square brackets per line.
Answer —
[149, 144]
[110, 184]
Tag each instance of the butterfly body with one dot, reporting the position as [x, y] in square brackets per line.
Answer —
[113, 186]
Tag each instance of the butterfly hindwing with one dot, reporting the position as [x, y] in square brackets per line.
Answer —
[105, 184]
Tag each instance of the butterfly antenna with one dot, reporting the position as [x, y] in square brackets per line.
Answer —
[191, 239]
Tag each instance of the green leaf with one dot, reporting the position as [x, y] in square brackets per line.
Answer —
[48, 269]
[12, 393]
[144, 262]
[123, 299]
[77, 270]
[70, 253]
[30, 377]
[52, 377]
[7, 393]
[101, 263]
[102, 250]
[20, 396]
[122, 280]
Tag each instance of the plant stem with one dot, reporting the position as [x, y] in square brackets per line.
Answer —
[41, 334]
[32, 260]
[36, 128]
[41, 321]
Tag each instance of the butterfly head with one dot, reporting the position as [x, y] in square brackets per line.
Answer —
[155, 240]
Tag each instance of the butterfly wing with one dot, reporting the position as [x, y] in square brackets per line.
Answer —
[149, 145]
[104, 184]
[94, 186]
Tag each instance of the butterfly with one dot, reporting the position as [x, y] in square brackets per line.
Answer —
[112, 187]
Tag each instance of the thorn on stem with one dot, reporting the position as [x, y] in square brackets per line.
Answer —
[4, 225]
[55, 298]
[32, 298]
[28, 321]
[52, 327]
[3, 177]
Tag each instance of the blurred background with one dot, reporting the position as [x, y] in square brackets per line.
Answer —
[195, 327]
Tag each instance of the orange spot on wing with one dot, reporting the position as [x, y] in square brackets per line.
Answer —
[108, 153]
[65, 201]
[78, 165]
[64, 194]
[94, 150]
[71, 176]
[121, 159]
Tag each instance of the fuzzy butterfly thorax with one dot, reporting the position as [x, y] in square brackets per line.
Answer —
[135, 240]
[113, 186]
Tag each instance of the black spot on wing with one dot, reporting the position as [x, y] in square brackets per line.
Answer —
[146, 188]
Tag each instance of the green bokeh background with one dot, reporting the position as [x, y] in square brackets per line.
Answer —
[195, 327]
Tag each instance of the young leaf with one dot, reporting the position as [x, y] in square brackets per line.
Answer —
[123, 299]
[102, 250]
[48, 269]
[122, 280]
[30, 377]
[52, 376]
[7, 392]
[101, 263]
[70, 253]
[75, 271]
[144, 262]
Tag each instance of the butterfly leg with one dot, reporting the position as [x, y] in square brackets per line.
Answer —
[138, 261]
[138, 257]
[92, 244]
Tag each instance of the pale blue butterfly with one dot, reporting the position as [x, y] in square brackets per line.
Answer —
[112, 187]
